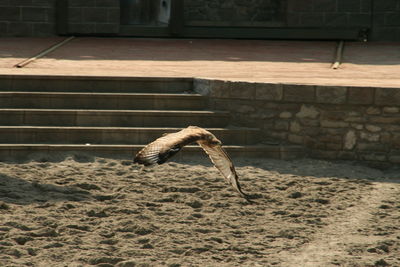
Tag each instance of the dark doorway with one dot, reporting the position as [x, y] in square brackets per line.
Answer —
[152, 13]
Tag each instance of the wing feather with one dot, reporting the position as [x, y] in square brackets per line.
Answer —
[163, 148]
[224, 164]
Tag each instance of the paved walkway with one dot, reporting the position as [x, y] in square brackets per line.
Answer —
[364, 64]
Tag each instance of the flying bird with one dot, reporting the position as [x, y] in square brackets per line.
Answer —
[163, 148]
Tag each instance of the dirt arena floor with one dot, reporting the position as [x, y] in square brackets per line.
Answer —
[84, 211]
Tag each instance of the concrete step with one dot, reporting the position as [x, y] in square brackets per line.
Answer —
[112, 118]
[46, 152]
[112, 135]
[46, 83]
[124, 101]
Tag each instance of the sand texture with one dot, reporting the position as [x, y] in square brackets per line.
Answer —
[84, 211]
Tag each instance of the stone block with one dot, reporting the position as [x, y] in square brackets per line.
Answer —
[281, 125]
[366, 6]
[21, 2]
[75, 15]
[313, 143]
[82, 3]
[357, 126]
[370, 137]
[312, 19]
[391, 110]
[385, 120]
[373, 111]
[267, 114]
[113, 15]
[3, 28]
[299, 93]
[293, 19]
[355, 119]
[309, 122]
[43, 29]
[285, 115]
[295, 139]
[350, 140]
[361, 95]
[95, 15]
[386, 33]
[43, 3]
[346, 155]
[311, 131]
[359, 20]
[394, 159]
[220, 89]
[388, 5]
[396, 140]
[300, 5]
[269, 91]
[242, 90]
[331, 139]
[334, 124]
[373, 156]
[373, 147]
[349, 6]
[336, 19]
[388, 96]
[11, 13]
[373, 128]
[34, 14]
[245, 109]
[110, 28]
[334, 147]
[331, 94]
[20, 29]
[107, 3]
[202, 86]
[278, 135]
[82, 27]
[333, 115]
[308, 112]
[333, 131]
[325, 6]
[392, 19]
[295, 127]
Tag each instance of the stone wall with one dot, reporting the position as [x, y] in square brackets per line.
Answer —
[235, 13]
[94, 16]
[288, 13]
[97, 17]
[349, 123]
[386, 20]
[329, 13]
[27, 18]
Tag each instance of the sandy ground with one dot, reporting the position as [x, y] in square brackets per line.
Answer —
[85, 211]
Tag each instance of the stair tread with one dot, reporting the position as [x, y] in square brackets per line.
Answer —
[171, 95]
[257, 146]
[114, 110]
[125, 128]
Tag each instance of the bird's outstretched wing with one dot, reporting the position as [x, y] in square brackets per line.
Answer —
[163, 148]
[224, 164]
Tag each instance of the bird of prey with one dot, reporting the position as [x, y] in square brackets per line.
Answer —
[163, 148]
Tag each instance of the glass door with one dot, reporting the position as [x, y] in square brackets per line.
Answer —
[145, 17]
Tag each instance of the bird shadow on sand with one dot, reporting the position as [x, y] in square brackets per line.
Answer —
[15, 190]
